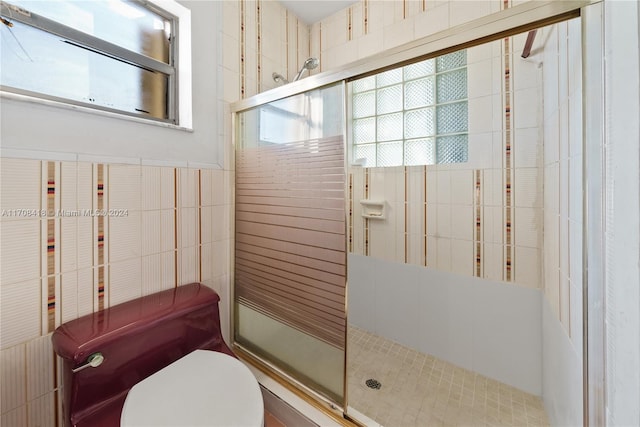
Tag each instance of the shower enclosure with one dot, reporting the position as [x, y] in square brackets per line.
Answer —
[290, 260]
[292, 204]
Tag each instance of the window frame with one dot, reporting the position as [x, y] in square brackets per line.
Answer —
[178, 70]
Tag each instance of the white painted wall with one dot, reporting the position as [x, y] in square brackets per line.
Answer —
[489, 327]
[36, 130]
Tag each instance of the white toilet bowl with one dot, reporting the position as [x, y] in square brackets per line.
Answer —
[204, 388]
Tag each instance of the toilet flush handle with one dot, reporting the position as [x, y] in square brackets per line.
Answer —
[93, 361]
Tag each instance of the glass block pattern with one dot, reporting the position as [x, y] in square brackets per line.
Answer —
[452, 149]
[452, 118]
[390, 154]
[364, 130]
[419, 69]
[389, 78]
[390, 127]
[452, 60]
[389, 99]
[365, 84]
[364, 104]
[452, 86]
[419, 93]
[420, 152]
[367, 152]
[419, 123]
[413, 115]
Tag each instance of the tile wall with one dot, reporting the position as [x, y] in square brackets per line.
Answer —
[372, 26]
[562, 222]
[260, 37]
[171, 224]
[176, 229]
[562, 93]
[78, 237]
[481, 218]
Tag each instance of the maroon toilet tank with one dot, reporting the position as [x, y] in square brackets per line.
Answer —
[136, 339]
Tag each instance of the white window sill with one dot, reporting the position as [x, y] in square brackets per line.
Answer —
[73, 107]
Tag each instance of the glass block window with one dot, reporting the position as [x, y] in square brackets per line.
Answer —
[413, 115]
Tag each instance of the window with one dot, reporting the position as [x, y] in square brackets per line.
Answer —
[111, 55]
[414, 115]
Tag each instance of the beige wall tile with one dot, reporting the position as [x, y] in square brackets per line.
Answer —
[444, 221]
[528, 267]
[462, 222]
[462, 187]
[125, 281]
[462, 259]
[189, 227]
[151, 232]
[443, 248]
[68, 296]
[151, 187]
[85, 185]
[124, 236]
[399, 33]
[187, 187]
[67, 244]
[20, 312]
[433, 20]
[17, 417]
[167, 188]
[188, 261]
[68, 186]
[527, 227]
[432, 252]
[231, 21]
[20, 250]
[432, 219]
[221, 257]
[168, 230]
[218, 187]
[20, 186]
[14, 379]
[85, 291]
[152, 274]
[124, 187]
[168, 270]
[206, 190]
[86, 242]
[468, 10]
[492, 259]
[209, 221]
[40, 377]
[42, 411]
[207, 262]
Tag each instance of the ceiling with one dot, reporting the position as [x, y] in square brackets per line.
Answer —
[312, 11]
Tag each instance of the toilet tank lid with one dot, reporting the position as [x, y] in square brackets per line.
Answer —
[77, 339]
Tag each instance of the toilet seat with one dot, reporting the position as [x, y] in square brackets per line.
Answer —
[204, 388]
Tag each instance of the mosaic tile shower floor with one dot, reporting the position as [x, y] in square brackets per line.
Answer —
[421, 390]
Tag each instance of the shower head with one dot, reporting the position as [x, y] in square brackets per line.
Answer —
[279, 78]
[309, 64]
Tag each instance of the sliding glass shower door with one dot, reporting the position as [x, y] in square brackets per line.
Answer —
[290, 260]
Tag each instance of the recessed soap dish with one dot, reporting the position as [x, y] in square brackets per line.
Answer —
[373, 209]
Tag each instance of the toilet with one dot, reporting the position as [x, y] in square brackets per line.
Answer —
[159, 360]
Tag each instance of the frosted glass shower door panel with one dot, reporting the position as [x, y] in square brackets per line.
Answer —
[290, 246]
